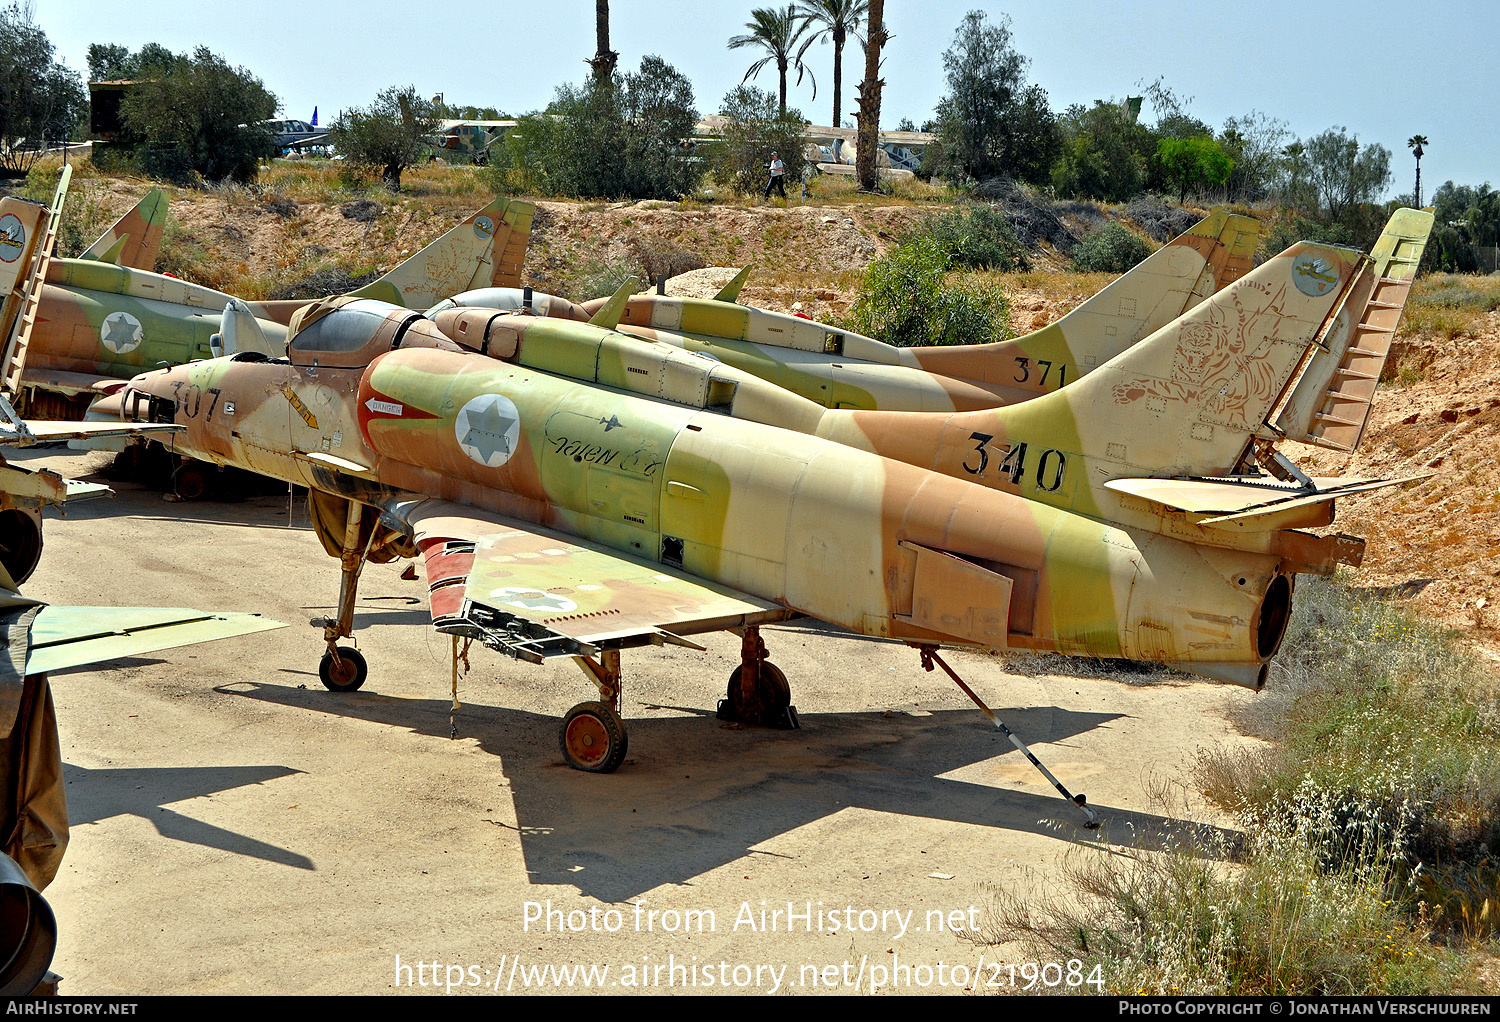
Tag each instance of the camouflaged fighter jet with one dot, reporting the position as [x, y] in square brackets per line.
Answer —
[842, 369]
[72, 329]
[576, 491]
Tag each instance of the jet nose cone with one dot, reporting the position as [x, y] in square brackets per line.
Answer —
[151, 396]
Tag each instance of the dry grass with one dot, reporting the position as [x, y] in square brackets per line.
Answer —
[1365, 862]
[1449, 306]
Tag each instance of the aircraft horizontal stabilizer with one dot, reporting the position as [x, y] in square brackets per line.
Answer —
[65, 637]
[610, 314]
[1246, 504]
[731, 291]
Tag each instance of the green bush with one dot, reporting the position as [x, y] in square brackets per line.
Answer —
[199, 118]
[908, 298]
[1280, 921]
[1370, 700]
[616, 137]
[977, 236]
[753, 130]
[1112, 250]
[1369, 819]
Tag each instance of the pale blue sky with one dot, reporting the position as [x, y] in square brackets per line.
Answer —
[1385, 70]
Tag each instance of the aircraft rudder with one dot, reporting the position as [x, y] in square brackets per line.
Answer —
[447, 266]
[134, 240]
[1187, 399]
[1332, 401]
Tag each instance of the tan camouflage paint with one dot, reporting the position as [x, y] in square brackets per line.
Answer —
[842, 369]
[100, 323]
[135, 239]
[813, 525]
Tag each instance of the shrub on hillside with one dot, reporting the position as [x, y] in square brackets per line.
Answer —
[1112, 250]
[977, 236]
[1158, 219]
[908, 298]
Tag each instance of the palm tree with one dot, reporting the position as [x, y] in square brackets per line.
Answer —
[838, 19]
[604, 58]
[869, 96]
[778, 32]
[1415, 143]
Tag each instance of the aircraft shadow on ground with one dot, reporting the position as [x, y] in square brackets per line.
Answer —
[97, 794]
[696, 793]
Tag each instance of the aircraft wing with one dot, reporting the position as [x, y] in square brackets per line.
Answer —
[64, 637]
[533, 593]
[41, 432]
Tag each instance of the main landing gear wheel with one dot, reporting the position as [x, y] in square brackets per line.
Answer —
[772, 708]
[190, 481]
[348, 674]
[593, 738]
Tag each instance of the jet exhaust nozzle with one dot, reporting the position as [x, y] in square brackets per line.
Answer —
[28, 931]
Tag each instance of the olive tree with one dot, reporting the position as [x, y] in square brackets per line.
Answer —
[389, 135]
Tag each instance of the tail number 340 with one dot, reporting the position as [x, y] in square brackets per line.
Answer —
[1050, 465]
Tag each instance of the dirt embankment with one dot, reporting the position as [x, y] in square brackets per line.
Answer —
[1446, 528]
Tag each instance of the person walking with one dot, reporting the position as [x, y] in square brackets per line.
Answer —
[778, 175]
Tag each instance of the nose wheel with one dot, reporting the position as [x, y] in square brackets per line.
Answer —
[593, 738]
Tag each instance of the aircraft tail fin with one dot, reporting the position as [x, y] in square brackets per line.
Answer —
[731, 291]
[612, 311]
[1173, 280]
[135, 239]
[28, 236]
[486, 250]
[1331, 403]
[1189, 399]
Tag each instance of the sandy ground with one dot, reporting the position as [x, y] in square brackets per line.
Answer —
[236, 828]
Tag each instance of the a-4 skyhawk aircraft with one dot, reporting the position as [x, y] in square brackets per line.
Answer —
[73, 329]
[839, 368]
[576, 491]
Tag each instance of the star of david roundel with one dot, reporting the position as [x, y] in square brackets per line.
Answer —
[534, 599]
[488, 428]
[120, 333]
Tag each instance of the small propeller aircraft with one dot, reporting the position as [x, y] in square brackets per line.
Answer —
[576, 491]
[73, 329]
